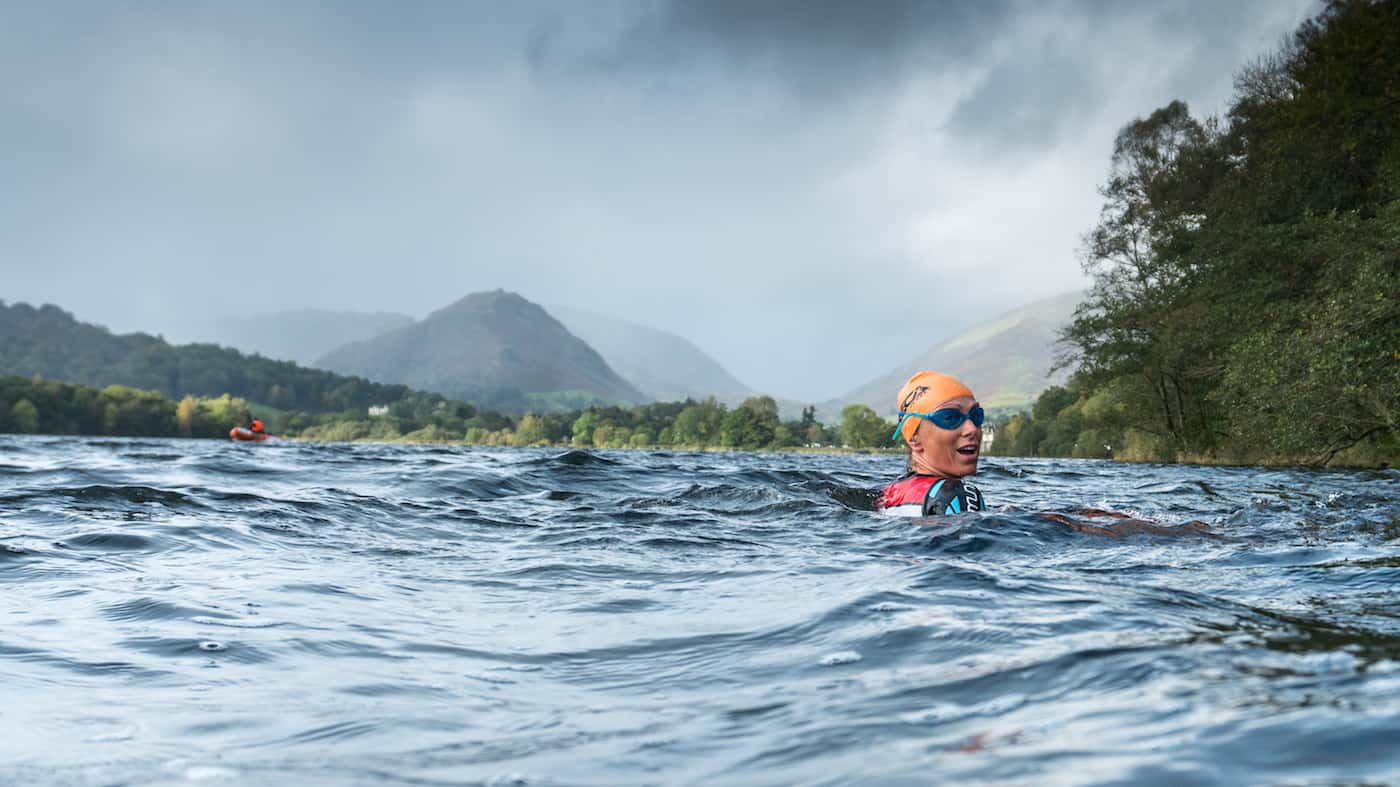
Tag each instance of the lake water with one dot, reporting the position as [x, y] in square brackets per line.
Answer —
[181, 612]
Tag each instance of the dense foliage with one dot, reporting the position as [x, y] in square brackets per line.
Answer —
[45, 407]
[754, 424]
[37, 406]
[1246, 295]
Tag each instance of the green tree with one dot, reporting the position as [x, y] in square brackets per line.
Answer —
[185, 416]
[784, 436]
[751, 425]
[1029, 439]
[128, 411]
[24, 417]
[862, 428]
[581, 433]
[532, 430]
[1062, 433]
[699, 424]
[1052, 401]
[1141, 318]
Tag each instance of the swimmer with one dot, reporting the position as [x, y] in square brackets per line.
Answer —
[940, 423]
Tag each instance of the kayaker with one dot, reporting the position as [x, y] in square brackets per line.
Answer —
[256, 427]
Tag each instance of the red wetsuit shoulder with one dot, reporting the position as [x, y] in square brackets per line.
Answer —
[927, 495]
[907, 495]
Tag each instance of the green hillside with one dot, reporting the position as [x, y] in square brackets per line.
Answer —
[496, 349]
[49, 342]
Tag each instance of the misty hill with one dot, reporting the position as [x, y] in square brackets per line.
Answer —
[300, 335]
[492, 348]
[1005, 361]
[662, 365]
[52, 344]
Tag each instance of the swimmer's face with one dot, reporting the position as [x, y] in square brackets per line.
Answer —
[947, 452]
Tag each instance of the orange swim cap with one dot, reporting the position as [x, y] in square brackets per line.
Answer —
[923, 393]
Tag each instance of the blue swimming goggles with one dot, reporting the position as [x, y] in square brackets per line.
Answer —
[947, 418]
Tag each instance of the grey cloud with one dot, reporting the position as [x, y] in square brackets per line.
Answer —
[1026, 103]
[761, 177]
[830, 50]
[820, 49]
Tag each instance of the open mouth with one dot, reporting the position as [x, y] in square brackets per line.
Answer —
[968, 450]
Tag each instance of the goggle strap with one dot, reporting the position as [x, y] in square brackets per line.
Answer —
[900, 425]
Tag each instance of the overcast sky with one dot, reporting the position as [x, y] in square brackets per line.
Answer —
[812, 192]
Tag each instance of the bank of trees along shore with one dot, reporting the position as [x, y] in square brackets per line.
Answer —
[29, 406]
[752, 425]
[1246, 270]
[37, 406]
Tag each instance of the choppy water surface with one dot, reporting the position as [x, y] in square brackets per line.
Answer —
[187, 611]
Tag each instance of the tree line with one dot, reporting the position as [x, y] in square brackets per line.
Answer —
[1245, 304]
[38, 406]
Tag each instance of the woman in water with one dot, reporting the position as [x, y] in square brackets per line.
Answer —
[940, 422]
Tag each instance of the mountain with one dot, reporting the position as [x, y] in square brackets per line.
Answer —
[662, 365]
[300, 335]
[492, 348]
[1005, 361]
[52, 344]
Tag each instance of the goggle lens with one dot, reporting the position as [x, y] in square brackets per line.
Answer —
[947, 418]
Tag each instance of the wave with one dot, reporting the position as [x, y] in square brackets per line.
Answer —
[420, 613]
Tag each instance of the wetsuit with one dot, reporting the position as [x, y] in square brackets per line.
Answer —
[930, 495]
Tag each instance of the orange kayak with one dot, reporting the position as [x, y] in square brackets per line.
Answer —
[239, 433]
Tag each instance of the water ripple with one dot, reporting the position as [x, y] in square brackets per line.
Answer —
[331, 614]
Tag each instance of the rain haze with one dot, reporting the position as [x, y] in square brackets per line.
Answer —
[810, 192]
